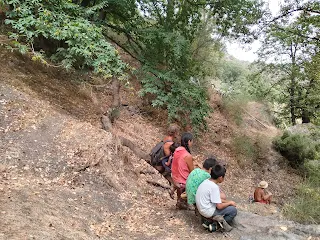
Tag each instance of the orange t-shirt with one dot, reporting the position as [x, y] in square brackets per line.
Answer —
[179, 169]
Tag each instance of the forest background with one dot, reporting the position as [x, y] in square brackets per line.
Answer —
[180, 50]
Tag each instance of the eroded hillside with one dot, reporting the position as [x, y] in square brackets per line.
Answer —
[63, 177]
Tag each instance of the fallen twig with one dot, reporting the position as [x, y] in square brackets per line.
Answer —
[157, 184]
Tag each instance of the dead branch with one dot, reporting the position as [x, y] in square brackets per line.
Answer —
[107, 126]
[157, 184]
[147, 172]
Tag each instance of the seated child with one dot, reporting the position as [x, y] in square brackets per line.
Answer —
[261, 195]
[209, 201]
[197, 176]
[167, 162]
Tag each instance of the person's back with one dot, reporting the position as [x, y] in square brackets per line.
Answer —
[179, 169]
[260, 195]
[182, 165]
[209, 203]
[207, 197]
[168, 140]
[196, 177]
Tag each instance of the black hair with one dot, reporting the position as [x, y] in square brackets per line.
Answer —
[173, 147]
[185, 138]
[218, 171]
[209, 163]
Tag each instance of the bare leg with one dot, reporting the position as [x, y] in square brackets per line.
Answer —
[269, 199]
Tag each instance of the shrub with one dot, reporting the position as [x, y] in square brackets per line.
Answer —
[302, 150]
[74, 41]
[313, 172]
[297, 148]
[305, 208]
[245, 148]
[234, 107]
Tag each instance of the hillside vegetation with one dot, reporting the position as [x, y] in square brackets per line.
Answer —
[62, 176]
[88, 88]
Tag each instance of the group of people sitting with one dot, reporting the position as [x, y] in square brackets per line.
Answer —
[199, 187]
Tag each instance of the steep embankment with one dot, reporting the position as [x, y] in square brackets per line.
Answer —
[63, 177]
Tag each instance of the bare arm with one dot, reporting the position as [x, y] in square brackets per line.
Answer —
[189, 162]
[266, 196]
[258, 195]
[166, 148]
[225, 204]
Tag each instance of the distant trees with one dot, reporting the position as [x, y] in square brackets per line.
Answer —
[292, 44]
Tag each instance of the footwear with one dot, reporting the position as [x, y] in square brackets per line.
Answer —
[226, 226]
[171, 193]
[205, 225]
[212, 227]
[222, 222]
[205, 222]
[182, 206]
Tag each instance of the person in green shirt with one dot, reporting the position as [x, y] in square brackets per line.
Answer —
[197, 176]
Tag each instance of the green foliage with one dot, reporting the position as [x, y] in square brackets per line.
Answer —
[245, 148]
[163, 35]
[313, 171]
[290, 43]
[172, 40]
[184, 100]
[250, 150]
[297, 148]
[76, 41]
[234, 107]
[305, 208]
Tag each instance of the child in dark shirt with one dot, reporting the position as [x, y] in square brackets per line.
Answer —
[167, 162]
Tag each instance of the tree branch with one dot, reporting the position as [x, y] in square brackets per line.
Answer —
[294, 10]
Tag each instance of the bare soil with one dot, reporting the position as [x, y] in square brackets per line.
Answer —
[63, 177]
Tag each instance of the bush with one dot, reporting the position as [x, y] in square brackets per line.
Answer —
[306, 206]
[302, 150]
[297, 148]
[72, 39]
[234, 107]
[245, 148]
[313, 172]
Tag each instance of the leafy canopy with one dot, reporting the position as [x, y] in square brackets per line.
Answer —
[76, 41]
[162, 35]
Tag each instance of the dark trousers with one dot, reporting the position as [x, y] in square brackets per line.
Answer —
[228, 213]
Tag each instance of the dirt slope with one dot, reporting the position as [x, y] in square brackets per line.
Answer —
[63, 177]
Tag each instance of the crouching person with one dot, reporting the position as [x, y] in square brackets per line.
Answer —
[208, 200]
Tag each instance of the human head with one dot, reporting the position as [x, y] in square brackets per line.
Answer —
[186, 140]
[263, 184]
[173, 147]
[209, 163]
[218, 172]
[173, 130]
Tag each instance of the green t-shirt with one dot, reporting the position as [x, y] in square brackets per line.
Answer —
[195, 178]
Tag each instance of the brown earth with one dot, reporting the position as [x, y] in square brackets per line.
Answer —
[63, 177]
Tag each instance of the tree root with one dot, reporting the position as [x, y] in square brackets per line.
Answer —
[158, 184]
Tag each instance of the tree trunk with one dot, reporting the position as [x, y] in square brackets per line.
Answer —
[293, 84]
[114, 110]
[305, 116]
[115, 92]
[292, 106]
